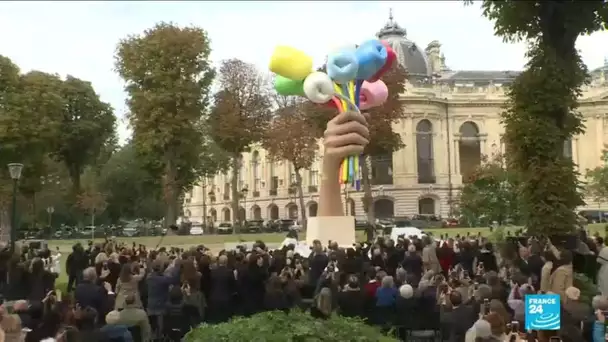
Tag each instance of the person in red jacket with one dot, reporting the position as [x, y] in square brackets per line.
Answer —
[446, 257]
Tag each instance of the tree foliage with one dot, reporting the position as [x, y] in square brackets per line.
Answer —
[43, 116]
[132, 191]
[91, 198]
[492, 194]
[291, 137]
[240, 115]
[168, 76]
[85, 126]
[597, 181]
[541, 113]
[277, 326]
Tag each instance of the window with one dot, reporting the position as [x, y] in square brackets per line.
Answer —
[424, 152]
[313, 177]
[255, 165]
[469, 149]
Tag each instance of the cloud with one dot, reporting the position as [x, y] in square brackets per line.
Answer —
[79, 38]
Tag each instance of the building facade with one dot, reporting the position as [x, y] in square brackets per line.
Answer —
[451, 120]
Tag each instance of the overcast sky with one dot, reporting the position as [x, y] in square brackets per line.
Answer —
[79, 38]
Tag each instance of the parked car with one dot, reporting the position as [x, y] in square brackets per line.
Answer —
[225, 228]
[594, 216]
[254, 226]
[361, 224]
[272, 226]
[426, 221]
[285, 224]
[90, 232]
[196, 229]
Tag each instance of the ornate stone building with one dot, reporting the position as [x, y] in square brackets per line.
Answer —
[451, 120]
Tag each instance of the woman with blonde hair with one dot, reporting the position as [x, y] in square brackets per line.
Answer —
[322, 306]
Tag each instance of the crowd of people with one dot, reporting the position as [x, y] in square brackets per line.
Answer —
[456, 289]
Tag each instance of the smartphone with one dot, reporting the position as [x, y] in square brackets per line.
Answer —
[515, 327]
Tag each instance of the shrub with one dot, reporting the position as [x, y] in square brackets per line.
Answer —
[297, 326]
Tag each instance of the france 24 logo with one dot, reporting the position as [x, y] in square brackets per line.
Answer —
[543, 312]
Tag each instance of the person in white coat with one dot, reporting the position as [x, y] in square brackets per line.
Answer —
[602, 274]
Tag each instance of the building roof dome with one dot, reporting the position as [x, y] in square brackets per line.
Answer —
[409, 54]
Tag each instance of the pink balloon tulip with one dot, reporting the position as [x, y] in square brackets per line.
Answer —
[372, 94]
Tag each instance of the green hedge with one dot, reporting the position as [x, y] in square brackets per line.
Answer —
[297, 326]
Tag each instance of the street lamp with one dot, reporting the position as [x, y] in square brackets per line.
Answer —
[205, 203]
[50, 210]
[14, 170]
[244, 192]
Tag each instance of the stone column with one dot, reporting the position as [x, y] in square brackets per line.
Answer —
[483, 140]
[456, 155]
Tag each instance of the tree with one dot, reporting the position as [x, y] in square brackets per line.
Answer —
[87, 123]
[383, 140]
[240, 115]
[132, 191]
[597, 181]
[491, 194]
[168, 76]
[91, 199]
[292, 137]
[31, 110]
[541, 113]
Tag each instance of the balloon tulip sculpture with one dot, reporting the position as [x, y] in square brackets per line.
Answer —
[352, 82]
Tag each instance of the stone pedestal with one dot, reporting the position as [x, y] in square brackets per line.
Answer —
[340, 229]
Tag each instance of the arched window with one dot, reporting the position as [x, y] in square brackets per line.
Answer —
[426, 206]
[469, 149]
[424, 151]
[227, 216]
[312, 209]
[273, 212]
[213, 215]
[257, 212]
[255, 168]
[292, 211]
[384, 208]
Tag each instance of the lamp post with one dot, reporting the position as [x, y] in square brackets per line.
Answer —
[244, 192]
[212, 199]
[50, 210]
[293, 196]
[205, 203]
[14, 170]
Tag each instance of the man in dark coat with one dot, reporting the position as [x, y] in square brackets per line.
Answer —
[76, 262]
[223, 287]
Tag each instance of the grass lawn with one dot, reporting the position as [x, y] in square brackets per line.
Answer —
[218, 241]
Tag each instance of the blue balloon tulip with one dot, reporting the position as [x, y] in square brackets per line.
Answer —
[371, 56]
[342, 66]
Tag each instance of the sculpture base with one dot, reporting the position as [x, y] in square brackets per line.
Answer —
[340, 229]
